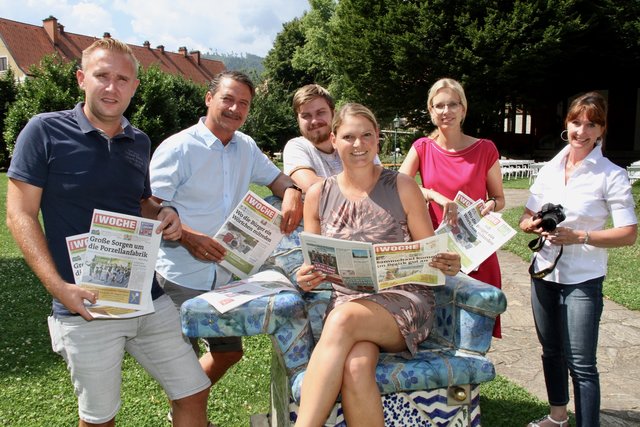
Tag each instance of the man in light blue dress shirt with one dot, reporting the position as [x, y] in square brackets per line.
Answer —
[203, 172]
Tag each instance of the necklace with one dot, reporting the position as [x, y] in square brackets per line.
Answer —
[571, 166]
[569, 169]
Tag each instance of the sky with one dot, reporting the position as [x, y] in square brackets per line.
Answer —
[222, 26]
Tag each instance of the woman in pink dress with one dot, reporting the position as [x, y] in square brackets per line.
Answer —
[450, 161]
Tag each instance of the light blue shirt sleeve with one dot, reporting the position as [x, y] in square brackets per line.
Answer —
[204, 180]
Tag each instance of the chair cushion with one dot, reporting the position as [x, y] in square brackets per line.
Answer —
[428, 370]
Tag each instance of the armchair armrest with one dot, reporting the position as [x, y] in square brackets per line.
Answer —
[282, 316]
[465, 312]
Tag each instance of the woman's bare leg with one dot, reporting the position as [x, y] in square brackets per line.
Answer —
[348, 324]
[361, 401]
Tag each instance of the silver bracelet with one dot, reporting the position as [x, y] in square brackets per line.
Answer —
[586, 238]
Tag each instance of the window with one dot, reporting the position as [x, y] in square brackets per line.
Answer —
[4, 63]
[517, 119]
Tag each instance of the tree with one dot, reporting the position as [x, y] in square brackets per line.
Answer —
[312, 58]
[521, 52]
[271, 122]
[278, 64]
[51, 86]
[299, 57]
[8, 92]
[165, 104]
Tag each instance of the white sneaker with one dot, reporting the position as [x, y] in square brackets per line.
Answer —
[536, 423]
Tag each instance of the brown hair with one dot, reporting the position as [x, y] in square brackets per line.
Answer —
[111, 44]
[310, 92]
[238, 76]
[593, 105]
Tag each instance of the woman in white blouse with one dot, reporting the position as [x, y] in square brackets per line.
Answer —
[571, 263]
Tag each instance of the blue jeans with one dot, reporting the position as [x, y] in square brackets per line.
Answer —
[567, 319]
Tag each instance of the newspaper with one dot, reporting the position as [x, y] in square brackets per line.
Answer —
[475, 237]
[250, 234]
[238, 293]
[119, 262]
[367, 267]
[76, 247]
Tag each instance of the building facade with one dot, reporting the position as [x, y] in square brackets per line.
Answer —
[24, 45]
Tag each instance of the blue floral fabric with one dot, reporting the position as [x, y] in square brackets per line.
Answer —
[454, 353]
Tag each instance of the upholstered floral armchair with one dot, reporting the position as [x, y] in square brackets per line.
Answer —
[439, 387]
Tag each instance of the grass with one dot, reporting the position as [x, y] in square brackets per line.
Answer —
[36, 390]
[34, 382]
[520, 183]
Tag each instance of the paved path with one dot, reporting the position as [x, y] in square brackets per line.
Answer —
[517, 354]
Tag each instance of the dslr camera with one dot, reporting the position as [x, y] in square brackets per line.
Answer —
[551, 216]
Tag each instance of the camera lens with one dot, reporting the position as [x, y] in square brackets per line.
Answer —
[551, 215]
[548, 224]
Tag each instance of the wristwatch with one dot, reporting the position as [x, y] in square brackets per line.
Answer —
[295, 187]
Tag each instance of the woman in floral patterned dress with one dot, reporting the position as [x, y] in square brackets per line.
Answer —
[365, 203]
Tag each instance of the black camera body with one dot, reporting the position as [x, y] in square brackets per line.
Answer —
[551, 216]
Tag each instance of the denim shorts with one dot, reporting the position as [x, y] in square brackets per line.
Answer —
[94, 353]
[179, 294]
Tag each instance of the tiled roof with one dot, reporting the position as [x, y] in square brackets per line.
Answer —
[27, 44]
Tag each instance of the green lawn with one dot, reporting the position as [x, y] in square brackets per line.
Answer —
[520, 183]
[34, 382]
[35, 385]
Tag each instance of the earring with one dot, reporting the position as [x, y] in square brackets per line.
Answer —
[564, 135]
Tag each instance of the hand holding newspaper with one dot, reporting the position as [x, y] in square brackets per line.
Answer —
[250, 234]
[367, 267]
[475, 237]
[116, 260]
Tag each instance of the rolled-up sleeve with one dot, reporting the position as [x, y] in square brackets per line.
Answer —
[264, 171]
[165, 172]
[537, 192]
[620, 199]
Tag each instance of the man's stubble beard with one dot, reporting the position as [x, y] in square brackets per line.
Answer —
[318, 138]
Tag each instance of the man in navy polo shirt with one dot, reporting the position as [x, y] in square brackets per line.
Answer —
[66, 164]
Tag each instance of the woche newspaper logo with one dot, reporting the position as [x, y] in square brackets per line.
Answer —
[397, 248]
[79, 244]
[114, 221]
[260, 207]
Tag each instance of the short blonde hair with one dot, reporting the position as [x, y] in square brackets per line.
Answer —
[447, 83]
[352, 109]
[111, 44]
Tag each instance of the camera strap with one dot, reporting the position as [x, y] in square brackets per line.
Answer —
[535, 245]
